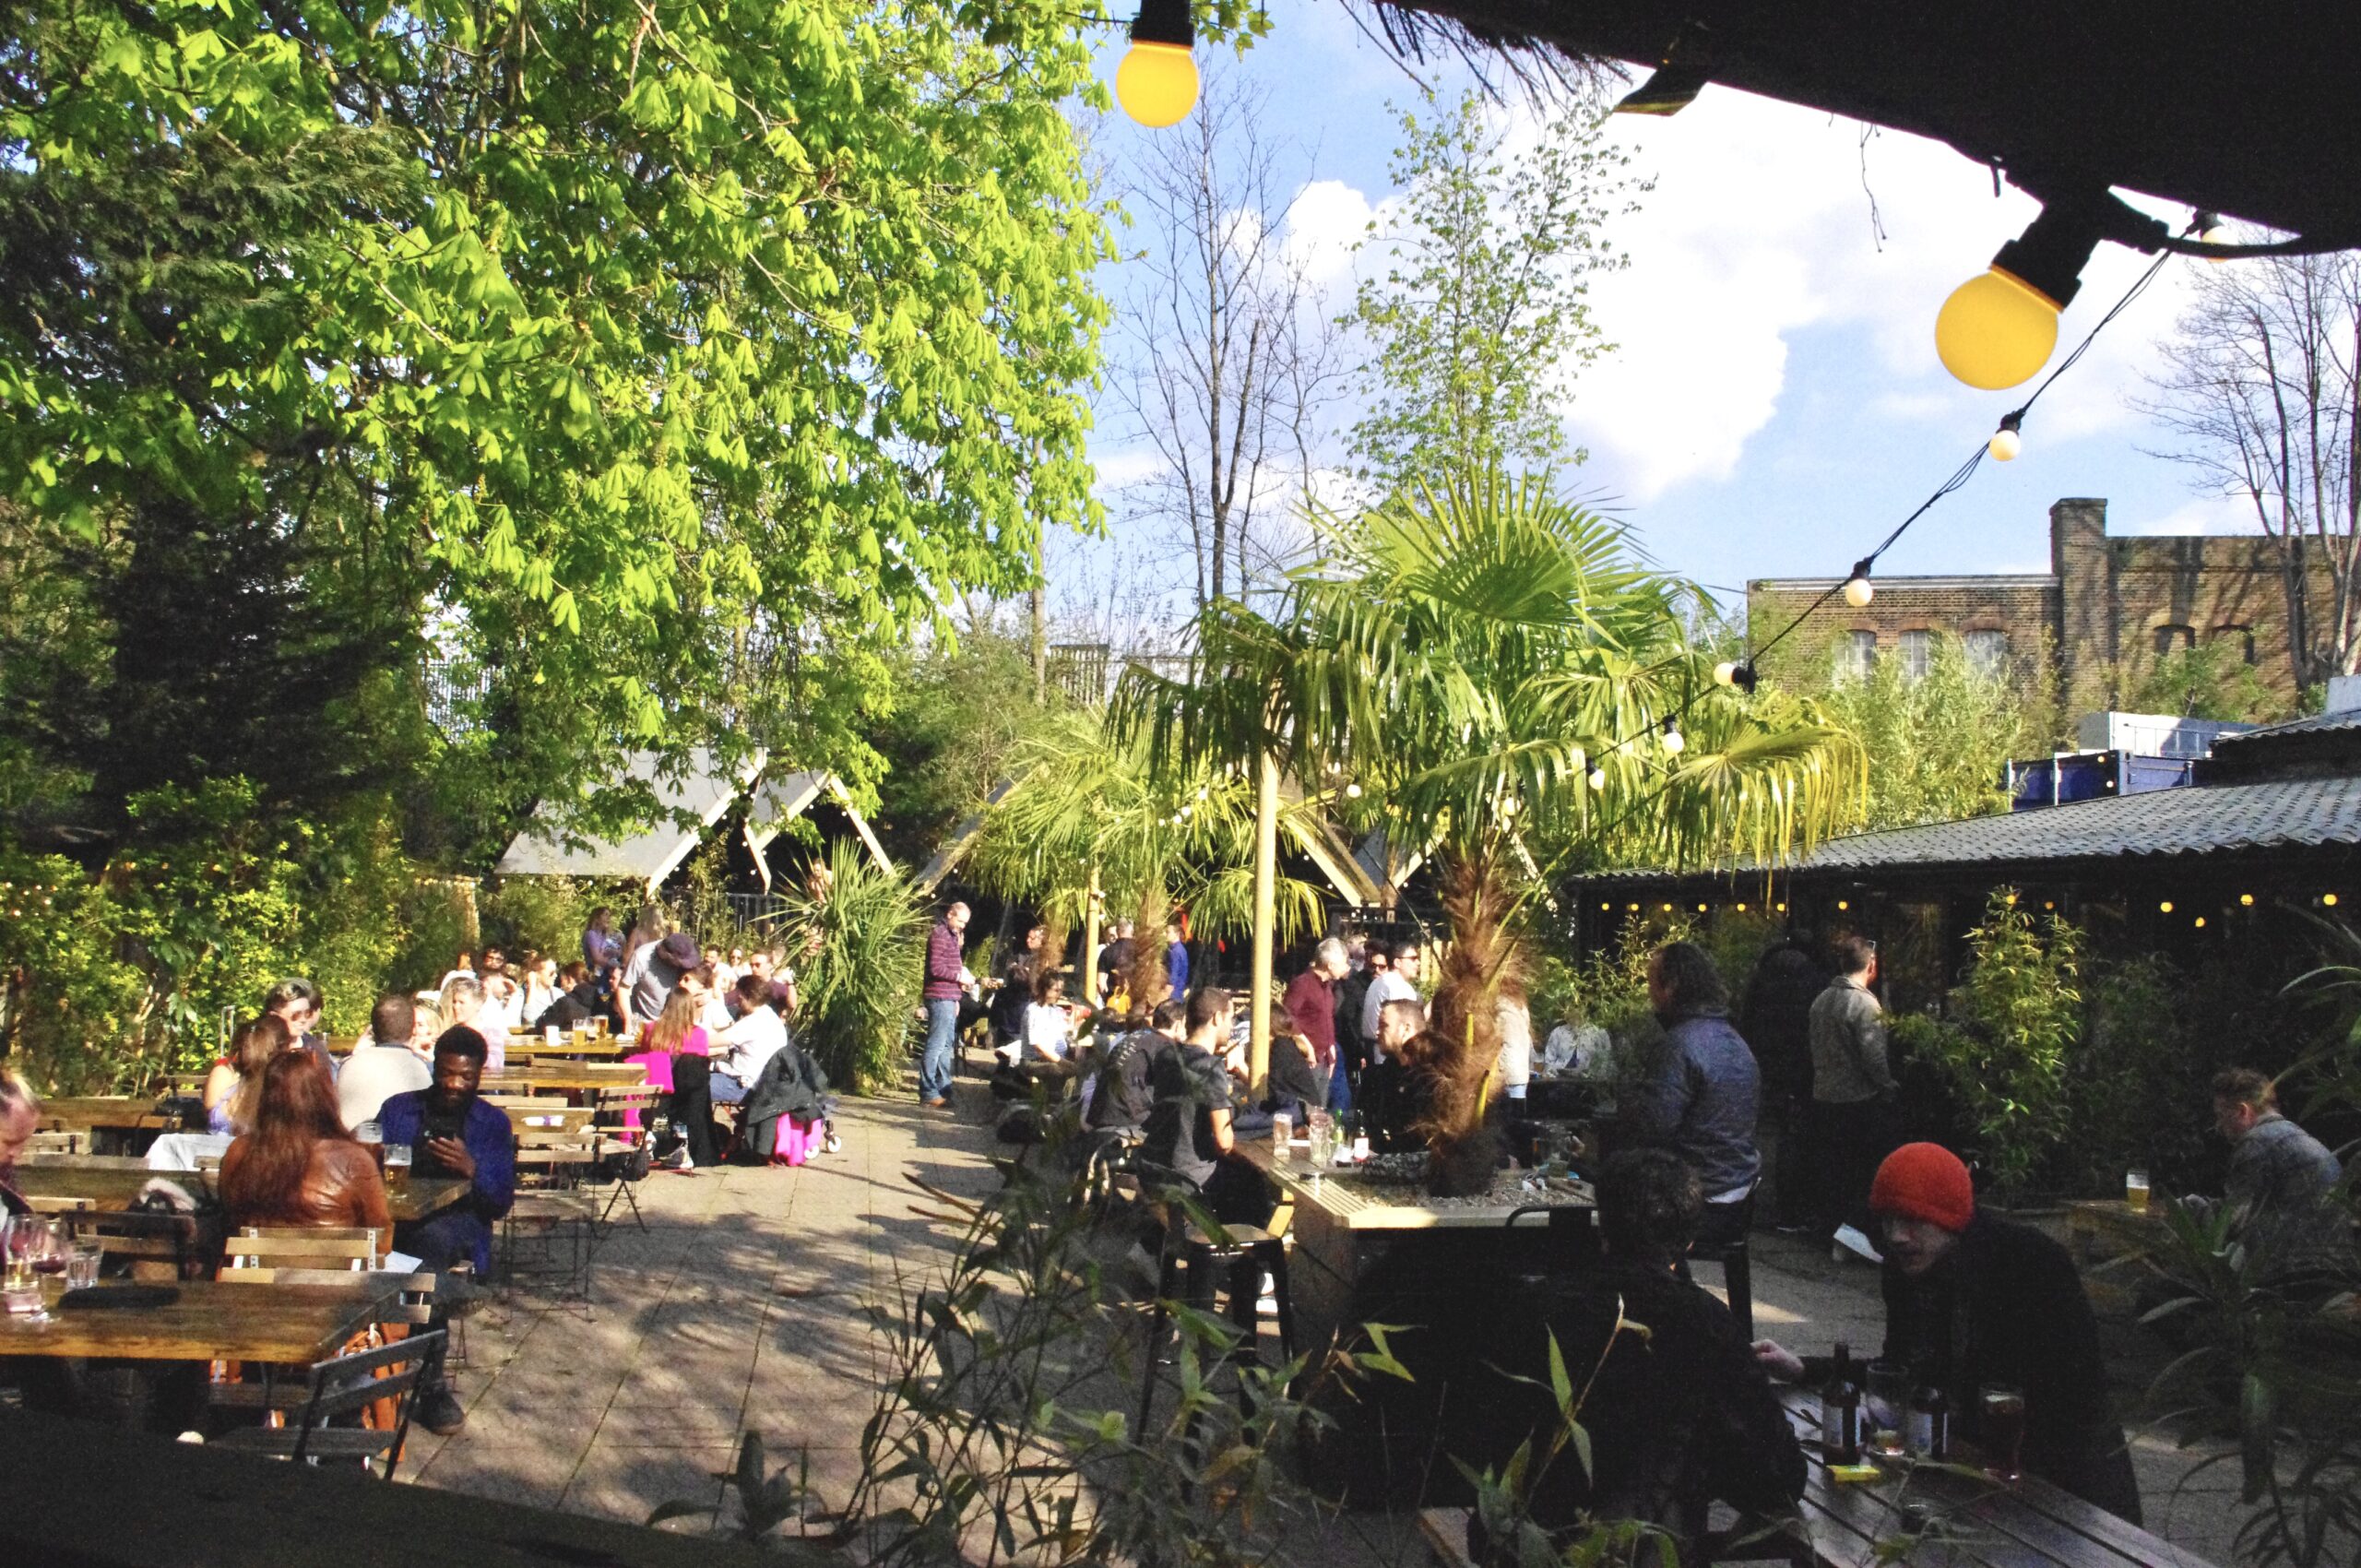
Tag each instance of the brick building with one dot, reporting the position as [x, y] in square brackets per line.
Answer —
[2085, 634]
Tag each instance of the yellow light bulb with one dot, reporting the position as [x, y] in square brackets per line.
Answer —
[1157, 83]
[1858, 591]
[1996, 330]
[1843, 903]
[2245, 901]
[2330, 899]
[1724, 673]
[2165, 907]
[2004, 445]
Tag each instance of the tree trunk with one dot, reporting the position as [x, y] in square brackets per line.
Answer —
[1484, 953]
[1148, 985]
[1040, 645]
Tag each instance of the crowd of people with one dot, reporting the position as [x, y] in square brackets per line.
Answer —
[1973, 1298]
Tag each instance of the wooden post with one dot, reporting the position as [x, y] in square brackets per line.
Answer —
[1090, 943]
[1266, 879]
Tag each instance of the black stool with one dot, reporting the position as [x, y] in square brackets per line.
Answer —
[1188, 1248]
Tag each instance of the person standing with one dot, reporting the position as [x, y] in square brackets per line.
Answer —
[943, 973]
[602, 950]
[1176, 959]
[1398, 981]
[1311, 1008]
[1700, 1093]
[1853, 1091]
[1115, 960]
[1776, 1021]
[1352, 1045]
[1976, 1301]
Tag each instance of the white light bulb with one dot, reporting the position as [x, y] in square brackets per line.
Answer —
[1674, 742]
[1352, 791]
[1858, 591]
[1724, 673]
[1598, 778]
[2004, 445]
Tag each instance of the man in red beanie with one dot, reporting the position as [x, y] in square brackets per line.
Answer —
[1973, 1301]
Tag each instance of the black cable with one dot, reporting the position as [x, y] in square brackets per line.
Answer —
[1959, 478]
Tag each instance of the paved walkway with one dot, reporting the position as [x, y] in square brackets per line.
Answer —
[743, 1306]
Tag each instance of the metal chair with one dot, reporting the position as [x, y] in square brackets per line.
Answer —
[1192, 1256]
[344, 1386]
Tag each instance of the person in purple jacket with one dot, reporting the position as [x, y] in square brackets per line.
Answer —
[942, 996]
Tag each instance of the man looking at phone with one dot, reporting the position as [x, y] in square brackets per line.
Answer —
[452, 1132]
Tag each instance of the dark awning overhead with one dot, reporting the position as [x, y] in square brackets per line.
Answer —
[2246, 110]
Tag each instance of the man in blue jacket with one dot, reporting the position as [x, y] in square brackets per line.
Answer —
[451, 1132]
[1700, 1093]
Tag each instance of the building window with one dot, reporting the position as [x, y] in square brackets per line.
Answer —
[2240, 638]
[1857, 655]
[2172, 639]
[1917, 654]
[1988, 652]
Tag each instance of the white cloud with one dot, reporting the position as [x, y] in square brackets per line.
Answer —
[1758, 230]
[1326, 220]
[1129, 466]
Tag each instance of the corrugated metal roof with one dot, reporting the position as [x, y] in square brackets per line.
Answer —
[2318, 724]
[2292, 814]
[648, 857]
[2279, 813]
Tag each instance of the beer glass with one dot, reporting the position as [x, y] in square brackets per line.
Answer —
[2135, 1190]
[2004, 1429]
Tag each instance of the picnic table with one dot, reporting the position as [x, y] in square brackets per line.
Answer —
[283, 1324]
[110, 1182]
[71, 1492]
[1918, 1517]
[537, 1046]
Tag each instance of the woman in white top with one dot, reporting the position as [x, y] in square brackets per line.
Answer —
[1049, 1027]
[1515, 1021]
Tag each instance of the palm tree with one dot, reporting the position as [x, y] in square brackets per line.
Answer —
[1084, 804]
[1501, 676]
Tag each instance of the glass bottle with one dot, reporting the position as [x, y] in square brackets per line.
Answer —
[1839, 1410]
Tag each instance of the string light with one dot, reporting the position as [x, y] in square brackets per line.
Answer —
[1858, 589]
[2165, 907]
[1674, 742]
[2200, 922]
[2329, 899]
[1352, 791]
[2245, 901]
[1157, 83]
[1598, 778]
[2008, 441]
[1841, 903]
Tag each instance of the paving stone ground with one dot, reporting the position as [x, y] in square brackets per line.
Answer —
[742, 1303]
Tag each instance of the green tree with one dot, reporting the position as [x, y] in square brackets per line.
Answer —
[680, 360]
[1475, 656]
[2210, 681]
[1937, 742]
[1477, 314]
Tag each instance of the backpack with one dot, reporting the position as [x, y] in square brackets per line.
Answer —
[1126, 1093]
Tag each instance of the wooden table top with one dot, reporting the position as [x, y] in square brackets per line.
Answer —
[2027, 1522]
[538, 1047]
[580, 1075]
[285, 1324]
[110, 1183]
[1357, 1204]
[165, 1504]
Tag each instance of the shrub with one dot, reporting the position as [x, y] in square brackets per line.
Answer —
[2002, 1051]
[861, 950]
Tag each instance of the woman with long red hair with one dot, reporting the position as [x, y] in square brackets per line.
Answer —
[298, 1166]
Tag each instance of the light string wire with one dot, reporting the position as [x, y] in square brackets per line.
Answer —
[1959, 478]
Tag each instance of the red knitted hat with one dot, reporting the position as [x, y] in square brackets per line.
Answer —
[1925, 1182]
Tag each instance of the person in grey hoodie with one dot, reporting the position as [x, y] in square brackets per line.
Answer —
[1853, 1091]
[1699, 1093]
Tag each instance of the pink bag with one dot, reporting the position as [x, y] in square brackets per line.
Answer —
[799, 1141]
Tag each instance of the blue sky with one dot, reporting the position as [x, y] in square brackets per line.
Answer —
[1775, 405]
